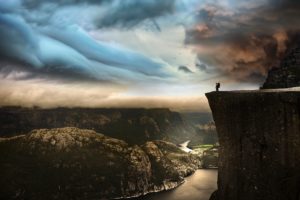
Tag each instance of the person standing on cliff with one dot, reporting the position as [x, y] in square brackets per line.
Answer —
[218, 85]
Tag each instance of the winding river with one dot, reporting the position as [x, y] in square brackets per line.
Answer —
[199, 186]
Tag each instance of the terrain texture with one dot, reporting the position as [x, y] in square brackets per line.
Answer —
[135, 126]
[259, 136]
[72, 163]
[287, 73]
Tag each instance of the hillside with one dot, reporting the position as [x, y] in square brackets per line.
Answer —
[135, 126]
[72, 163]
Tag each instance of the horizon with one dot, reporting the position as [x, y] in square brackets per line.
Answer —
[103, 108]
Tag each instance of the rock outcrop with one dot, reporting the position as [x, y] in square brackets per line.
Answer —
[72, 163]
[259, 136]
[287, 74]
[135, 126]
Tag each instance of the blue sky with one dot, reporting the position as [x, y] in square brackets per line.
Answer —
[138, 53]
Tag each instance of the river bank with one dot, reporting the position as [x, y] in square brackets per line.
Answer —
[198, 186]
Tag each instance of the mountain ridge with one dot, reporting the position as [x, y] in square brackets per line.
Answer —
[134, 125]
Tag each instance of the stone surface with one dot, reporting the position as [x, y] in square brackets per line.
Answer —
[259, 136]
[72, 163]
[287, 74]
[170, 161]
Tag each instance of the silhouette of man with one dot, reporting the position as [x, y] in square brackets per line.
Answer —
[218, 85]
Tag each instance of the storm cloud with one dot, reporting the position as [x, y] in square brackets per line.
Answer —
[128, 13]
[242, 39]
[245, 40]
[35, 34]
[138, 46]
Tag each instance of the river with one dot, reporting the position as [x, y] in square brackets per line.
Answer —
[198, 186]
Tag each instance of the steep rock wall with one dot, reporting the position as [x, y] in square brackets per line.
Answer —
[259, 135]
[287, 74]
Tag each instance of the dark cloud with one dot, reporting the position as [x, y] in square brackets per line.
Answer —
[184, 69]
[43, 37]
[248, 41]
[120, 13]
[240, 40]
[129, 13]
[34, 4]
[201, 66]
[45, 46]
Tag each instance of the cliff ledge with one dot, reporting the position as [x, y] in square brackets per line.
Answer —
[259, 135]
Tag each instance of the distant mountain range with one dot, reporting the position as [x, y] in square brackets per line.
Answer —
[135, 126]
[91, 153]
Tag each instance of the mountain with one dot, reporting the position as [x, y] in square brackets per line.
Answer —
[135, 126]
[197, 118]
[287, 74]
[204, 127]
[72, 163]
[207, 132]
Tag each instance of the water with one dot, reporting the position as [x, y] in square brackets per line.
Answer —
[199, 186]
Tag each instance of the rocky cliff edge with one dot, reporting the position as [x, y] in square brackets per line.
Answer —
[259, 135]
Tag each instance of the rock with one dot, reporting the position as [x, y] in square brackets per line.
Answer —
[259, 140]
[214, 195]
[184, 163]
[72, 163]
[169, 163]
[287, 74]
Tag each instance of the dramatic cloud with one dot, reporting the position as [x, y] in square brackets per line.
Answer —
[68, 49]
[184, 69]
[111, 13]
[33, 4]
[134, 47]
[247, 39]
[242, 39]
[128, 13]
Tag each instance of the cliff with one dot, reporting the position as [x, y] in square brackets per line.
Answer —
[135, 126]
[287, 74]
[259, 136]
[72, 163]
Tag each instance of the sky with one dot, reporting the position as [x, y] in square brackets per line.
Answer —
[139, 53]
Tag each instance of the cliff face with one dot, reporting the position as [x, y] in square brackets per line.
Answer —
[71, 163]
[135, 126]
[259, 135]
[287, 74]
